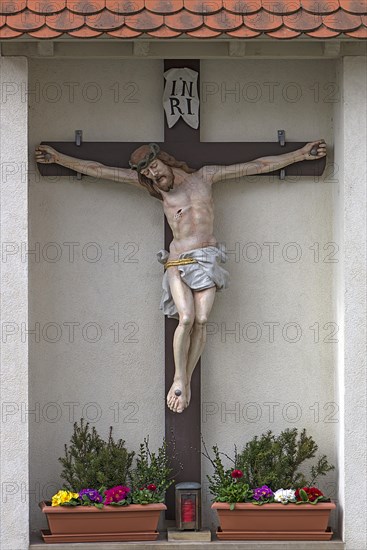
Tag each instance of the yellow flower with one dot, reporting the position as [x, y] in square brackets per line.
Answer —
[63, 496]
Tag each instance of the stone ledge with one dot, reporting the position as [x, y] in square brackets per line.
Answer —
[337, 544]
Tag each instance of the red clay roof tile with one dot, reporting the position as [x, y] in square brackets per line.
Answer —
[279, 19]
[243, 32]
[85, 6]
[204, 32]
[7, 32]
[25, 21]
[164, 32]
[44, 33]
[124, 32]
[12, 6]
[164, 7]
[203, 6]
[84, 32]
[341, 21]
[223, 21]
[354, 6]
[263, 21]
[184, 21]
[281, 7]
[360, 33]
[242, 6]
[323, 32]
[65, 21]
[2, 20]
[145, 21]
[125, 7]
[283, 33]
[320, 6]
[104, 21]
[46, 6]
[303, 21]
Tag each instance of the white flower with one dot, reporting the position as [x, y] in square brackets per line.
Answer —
[285, 495]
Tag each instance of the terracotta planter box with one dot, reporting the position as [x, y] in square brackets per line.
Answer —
[274, 521]
[112, 523]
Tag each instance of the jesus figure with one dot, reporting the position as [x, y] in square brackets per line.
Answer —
[193, 272]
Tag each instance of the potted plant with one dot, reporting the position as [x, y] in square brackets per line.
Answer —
[264, 495]
[104, 497]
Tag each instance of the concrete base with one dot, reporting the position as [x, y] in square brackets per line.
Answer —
[204, 535]
[163, 544]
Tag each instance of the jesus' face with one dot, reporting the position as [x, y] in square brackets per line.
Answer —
[161, 174]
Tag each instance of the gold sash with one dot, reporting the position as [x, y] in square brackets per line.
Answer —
[182, 261]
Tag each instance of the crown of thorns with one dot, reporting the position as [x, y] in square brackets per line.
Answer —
[149, 157]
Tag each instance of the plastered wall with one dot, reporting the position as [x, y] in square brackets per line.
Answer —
[98, 346]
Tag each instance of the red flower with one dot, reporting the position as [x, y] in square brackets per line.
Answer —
[236, 474]
[151, 487]
[312, 493]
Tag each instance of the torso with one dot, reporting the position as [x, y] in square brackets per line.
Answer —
[189, 212]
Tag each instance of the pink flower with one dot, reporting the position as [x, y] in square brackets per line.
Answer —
[236, 474]
[116, 494]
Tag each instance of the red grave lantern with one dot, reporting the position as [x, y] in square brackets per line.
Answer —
[188, 506]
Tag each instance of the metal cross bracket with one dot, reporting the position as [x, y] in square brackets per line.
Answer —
[78, 142]
[281, 140]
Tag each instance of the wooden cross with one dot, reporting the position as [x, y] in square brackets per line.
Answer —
[183, 142]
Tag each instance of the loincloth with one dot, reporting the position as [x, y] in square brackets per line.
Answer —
[199, 270]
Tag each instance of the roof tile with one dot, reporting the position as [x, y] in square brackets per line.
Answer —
[242, 6]
[204, 32]
[25, 21]
[354, 6]
[279, 19]
[84, 32]
[46, 6]
[323, 32]
[360, 33]
[320, 6]
[65, 21]
[145, 21]
[341, 21]
[44, 33]
[283, 33]
[281, 7]
[125, 7]
[105, 21]
[184, 21]
[263, 21]
[243, 32]
[85, 6]
[203, 6]
[12, 6]
[164, 32]
[164, 6]
[6, 32]
[124, 32]
[303, 21]
[223, 21]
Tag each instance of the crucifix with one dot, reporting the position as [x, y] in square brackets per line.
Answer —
[193, 272]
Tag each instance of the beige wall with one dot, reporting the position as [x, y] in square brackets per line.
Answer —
[269, 384]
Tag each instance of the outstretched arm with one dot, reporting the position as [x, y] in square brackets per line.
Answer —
[268, 164]
[47, 155]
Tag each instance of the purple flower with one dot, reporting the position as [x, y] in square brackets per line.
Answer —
[262, 493]
[92, 494]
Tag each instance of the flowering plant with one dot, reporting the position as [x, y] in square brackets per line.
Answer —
[100, 473]
[259, 461]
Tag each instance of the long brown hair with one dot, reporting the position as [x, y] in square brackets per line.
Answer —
[170, 161]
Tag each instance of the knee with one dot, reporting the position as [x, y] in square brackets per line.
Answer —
[186, 321]
[201, 319]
